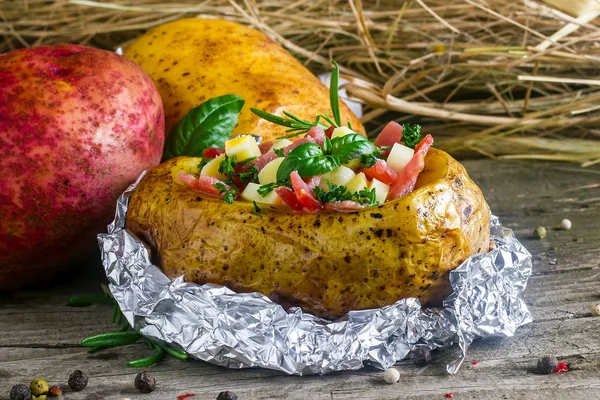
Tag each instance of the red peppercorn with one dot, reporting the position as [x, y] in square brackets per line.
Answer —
[474, 363]
[449, 396]
[185, 396]
[561, 367]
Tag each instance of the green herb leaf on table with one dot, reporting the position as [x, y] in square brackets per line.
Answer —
[411, 135]
[309, 160]
[208, 125]
[351, 146]
[111, 339]
[124, 337]
[89, 299]
[148, 361]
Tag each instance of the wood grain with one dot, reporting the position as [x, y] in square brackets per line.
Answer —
[40, 335]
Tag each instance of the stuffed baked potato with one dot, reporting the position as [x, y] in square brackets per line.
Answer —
[326, 262]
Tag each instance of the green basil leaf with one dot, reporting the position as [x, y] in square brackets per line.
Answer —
[308, 159]
[208, 125]
[349, 147]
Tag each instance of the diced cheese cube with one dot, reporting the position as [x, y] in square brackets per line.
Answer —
[250, 194]
[358, 183]
[339, 176]
[341, 131]
[353, 164]
[212, 168]
[381, 190]
[280, 144]
[399, 157]
[243, 148]
[269, 172]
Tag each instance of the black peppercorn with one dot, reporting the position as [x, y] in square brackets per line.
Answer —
[20, 392]
[78, 381]
[421, 356]
[144, 382]
[227, 396]
[547, 364]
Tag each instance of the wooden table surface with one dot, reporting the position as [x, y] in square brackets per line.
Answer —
[39, 336]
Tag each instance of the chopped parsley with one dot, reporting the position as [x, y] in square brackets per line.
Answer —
[368, 160]
[204, 162]
[226, 167]
[335, 193]
[257, 210]
[250, 176]
[411, 135]
[269, 187]
[229, 194]
[279, 152]
[341, 193]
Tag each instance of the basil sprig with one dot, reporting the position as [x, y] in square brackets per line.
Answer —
[309, 160]
[351, 146]
[208, 125]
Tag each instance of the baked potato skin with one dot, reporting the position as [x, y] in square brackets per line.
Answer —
[193, 60]
[327, 263]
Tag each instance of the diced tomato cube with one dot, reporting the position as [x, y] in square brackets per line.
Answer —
[289, 198]
[407, 178]
[203, 184]
[265, 146]
[212, 152]
[329, 131]
[304, 193]
[316, 133]
[392, 133]
[382, 172]
[297, 143]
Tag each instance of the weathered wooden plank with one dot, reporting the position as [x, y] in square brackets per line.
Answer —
[39, 335]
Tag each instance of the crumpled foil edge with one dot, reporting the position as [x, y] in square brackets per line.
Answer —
[241, 330]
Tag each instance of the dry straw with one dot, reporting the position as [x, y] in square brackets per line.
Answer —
[503, 78]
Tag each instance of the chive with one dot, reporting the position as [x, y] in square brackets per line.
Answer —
[148, 361]
[333, 93]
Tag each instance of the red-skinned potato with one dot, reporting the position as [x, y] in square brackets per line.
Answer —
[77, 125]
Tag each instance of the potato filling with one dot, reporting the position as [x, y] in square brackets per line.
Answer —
[327, 169]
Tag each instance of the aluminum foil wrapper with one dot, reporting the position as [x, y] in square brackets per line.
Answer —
[240, 330]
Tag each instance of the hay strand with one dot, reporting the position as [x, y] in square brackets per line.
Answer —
[499, 78]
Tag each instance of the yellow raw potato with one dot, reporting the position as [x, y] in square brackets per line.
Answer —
[326, 263]
[193, 60]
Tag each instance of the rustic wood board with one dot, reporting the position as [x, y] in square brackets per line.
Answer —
[39, 335]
